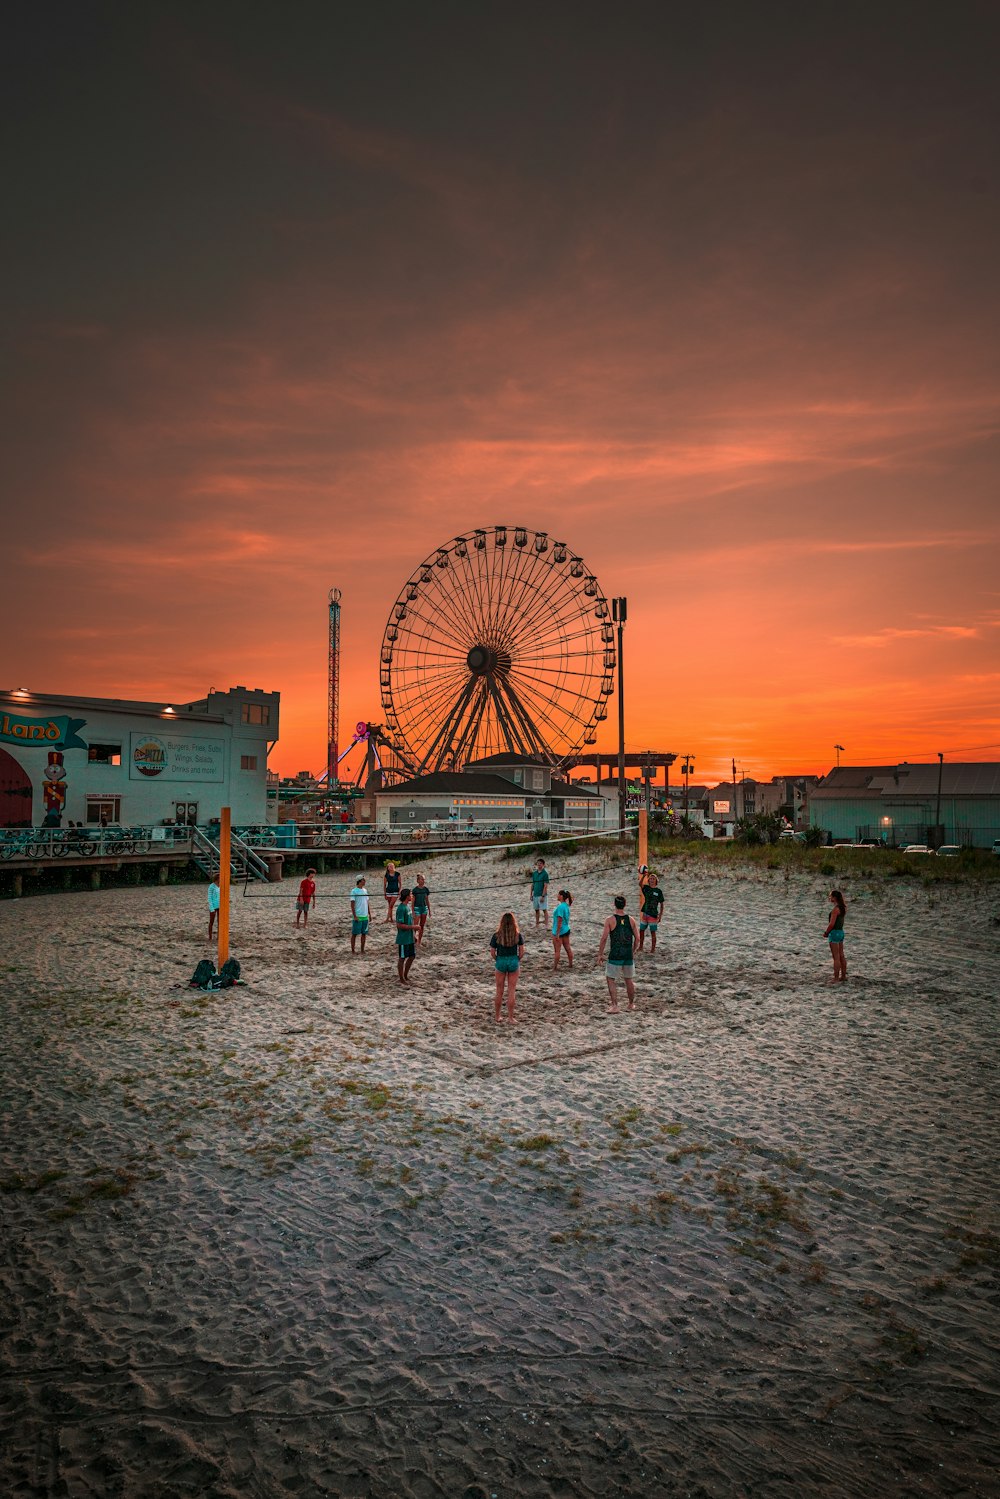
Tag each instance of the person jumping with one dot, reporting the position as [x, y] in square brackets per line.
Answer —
[653, 901]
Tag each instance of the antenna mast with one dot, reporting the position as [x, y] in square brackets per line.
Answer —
[333, 697]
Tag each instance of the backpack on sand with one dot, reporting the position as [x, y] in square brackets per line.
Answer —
[229, 974]
[203, 975]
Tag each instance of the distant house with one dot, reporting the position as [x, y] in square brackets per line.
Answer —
[898, 804]
[789, 794]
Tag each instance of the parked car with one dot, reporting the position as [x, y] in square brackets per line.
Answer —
[949, 851]
[870, 843]
[917, 848]
[789, 835]
[996, 846]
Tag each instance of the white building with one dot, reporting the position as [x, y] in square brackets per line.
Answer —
[69, 759]
[514, 789]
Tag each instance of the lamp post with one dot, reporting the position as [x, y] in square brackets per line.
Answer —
[619, 613]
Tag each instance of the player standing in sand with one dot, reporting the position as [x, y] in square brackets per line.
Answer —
[214, 902]
[653, 901]
[305, 898]
[391, 882]
[406, 948]
[834, 934]
[624, 935]
[507, 946]
[560, 929]
[540, 891]
[359, 913]
[421, 906]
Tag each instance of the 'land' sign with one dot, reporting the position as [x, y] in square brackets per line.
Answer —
[152, 757]
[48, 733]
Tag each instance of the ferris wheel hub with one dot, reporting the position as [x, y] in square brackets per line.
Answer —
[485, 661]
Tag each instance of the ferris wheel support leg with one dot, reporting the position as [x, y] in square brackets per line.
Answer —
[444, 736]
[536, 745]
[505, 720]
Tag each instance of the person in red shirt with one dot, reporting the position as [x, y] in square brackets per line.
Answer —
[305, 898]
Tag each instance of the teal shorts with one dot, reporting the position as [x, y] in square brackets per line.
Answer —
[508, 965]
[359, 926]
[837, 935]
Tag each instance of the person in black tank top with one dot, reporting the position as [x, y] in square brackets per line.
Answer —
[622, 933]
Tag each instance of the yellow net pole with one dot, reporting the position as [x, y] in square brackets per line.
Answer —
[224, 867]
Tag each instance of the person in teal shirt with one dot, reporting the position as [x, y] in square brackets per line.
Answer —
[406, 948]
[421, 907]
[540, 890]
[560, 929]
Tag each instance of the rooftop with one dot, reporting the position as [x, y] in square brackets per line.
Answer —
[459, 782]
[904, 780]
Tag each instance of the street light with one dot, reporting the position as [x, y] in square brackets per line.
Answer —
[619, 613]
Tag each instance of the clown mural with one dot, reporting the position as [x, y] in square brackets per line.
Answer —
[54, 790]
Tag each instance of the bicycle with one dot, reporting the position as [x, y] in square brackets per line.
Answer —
[326, 837]
[17, 846]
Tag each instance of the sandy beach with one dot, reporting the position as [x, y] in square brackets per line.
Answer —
[324, 1235]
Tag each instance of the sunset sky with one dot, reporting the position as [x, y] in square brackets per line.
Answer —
[298, 292]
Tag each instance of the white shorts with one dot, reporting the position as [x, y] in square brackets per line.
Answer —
[619, 971]
[540, 902]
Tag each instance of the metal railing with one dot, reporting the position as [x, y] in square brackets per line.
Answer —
[250, 840]
[87, 843]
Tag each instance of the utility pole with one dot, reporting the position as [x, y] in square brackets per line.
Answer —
[839, 748]
[647, 776]
[619, 613]
[937, 813]
[736, 805]
[686, 771]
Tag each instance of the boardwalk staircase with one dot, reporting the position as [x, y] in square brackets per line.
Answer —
[244, 864]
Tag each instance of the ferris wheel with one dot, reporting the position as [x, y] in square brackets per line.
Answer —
[501, 642]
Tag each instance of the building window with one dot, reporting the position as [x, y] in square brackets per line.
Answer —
[518, 778]
[248, 762]
[104, 754]
[538, 780]
[104, 809]
[256, 713]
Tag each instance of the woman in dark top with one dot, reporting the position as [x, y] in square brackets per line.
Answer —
[507, 946]
[391, 882]
[834, 934]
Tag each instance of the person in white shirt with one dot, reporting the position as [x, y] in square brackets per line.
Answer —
[359, 914]
[214, 902]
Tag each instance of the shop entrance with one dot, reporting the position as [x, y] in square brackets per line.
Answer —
[186, 814]
[15, 793]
